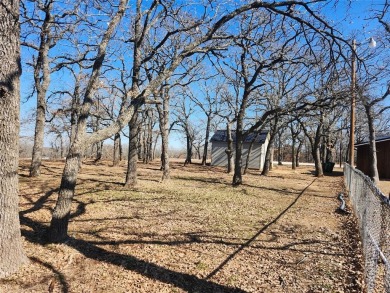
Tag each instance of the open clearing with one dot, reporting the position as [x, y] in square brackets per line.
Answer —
[196, 233]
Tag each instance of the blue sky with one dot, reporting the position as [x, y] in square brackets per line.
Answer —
[348, 17]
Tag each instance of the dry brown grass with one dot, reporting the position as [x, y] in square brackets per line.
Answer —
[195, 233]
[384, 186]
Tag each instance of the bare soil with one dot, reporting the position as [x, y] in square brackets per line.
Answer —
[195, 233]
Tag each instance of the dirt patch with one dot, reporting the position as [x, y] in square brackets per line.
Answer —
[195, 233]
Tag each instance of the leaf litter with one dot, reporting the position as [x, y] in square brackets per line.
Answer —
[195, 233]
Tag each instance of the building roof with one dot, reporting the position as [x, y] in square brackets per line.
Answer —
[257, 137]
[378, 139]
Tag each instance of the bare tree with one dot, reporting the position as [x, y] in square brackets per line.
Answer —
[59, 223]
[295, 130]
[183, 113]
[169, 24]
[163, 112]
[11, 251]
[43, 27]
[209, 104]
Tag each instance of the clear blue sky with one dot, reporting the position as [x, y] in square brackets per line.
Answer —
[348, 17]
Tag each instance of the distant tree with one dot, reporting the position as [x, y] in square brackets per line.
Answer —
[163, 110]
[280, 139]
[11, 251]
[372, 111]
[207, 100]
[184, 109]
[295, 130]
[43, 27]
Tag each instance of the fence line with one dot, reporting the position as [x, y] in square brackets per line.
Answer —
[372, 209]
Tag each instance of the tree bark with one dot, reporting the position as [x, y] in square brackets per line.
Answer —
[11, 251]
[163, 113]
[229, 150]
[237, 177]
[58, 231]
[150, 136]
[131, 175]
[268, 157]
[293, 162]
[274, 130]
[189, 144]
[117, 151]
[206, 141]
[298, 153]
[280, 157]
[99, 151]
[42, 81]
[374, 174]
[317, 161]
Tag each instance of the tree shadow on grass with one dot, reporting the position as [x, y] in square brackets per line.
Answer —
[184, 281]
[260, 188]
[187, 282]
[247, 243]
[59, 276]
[205, 180]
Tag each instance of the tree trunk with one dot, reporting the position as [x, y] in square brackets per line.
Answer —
[268, 157]
[163, 113]
[280, 157]
[150, 137]
[317, 161]
[341, 149]
[116, 155]
[271, 165]
[144, 148]
[165, 155]
[42, 82]
[58, 231]
[11, 251]
[298, 153]
[99, 151]
[131, 175]
[139, 143]
[374, 174]
[293, 163]
[248, 157]
[74, 117]
[229, 150]
[314, 141]
[189, 140]
[36, 160]
[237, 177]
[206, 141]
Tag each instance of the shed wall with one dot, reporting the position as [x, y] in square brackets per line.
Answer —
[219, 157]
[383, 157]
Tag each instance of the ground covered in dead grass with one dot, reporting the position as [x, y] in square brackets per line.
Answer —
[196, 233]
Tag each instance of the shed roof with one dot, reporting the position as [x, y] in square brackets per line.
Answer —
[378, 139]
[256, 137]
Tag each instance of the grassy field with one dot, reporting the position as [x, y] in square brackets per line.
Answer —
[195, 233]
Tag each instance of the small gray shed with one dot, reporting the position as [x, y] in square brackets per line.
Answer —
[257, 155]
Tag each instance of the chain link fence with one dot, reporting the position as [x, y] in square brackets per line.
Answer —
[372, 209]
